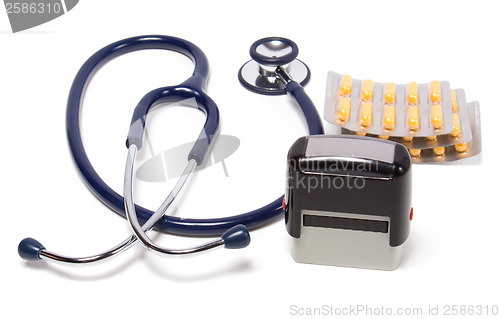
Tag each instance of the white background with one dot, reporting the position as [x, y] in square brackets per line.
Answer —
[451, 255]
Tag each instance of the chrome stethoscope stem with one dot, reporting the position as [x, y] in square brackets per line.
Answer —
[127, 243]
[139, 231]
[121, 247]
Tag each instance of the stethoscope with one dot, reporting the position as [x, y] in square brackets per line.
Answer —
[272, 71]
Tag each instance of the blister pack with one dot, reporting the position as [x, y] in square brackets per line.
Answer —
[433, 121]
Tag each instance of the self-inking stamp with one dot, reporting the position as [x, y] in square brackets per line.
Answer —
[348, 201]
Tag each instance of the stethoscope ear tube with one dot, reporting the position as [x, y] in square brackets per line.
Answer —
[170, 224]
[171, 95]
[300, 96]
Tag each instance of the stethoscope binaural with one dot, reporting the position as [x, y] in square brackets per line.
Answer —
[272, 70]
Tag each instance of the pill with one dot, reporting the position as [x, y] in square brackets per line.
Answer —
[345, 85]
[438, 151]
[415, 151]
[454, 105]
[360, 133]
[413, 117]
[390, 93]
[408, 138]
[384, 137]
[412, 96]
[435, 90]
[462, 147]
[344, 110]
[367, 90]
[432, 138]
[389, 117]
[456, 125]
[437, 116]
[366, 114]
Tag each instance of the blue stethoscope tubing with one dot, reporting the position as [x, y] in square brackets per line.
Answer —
[192, 87]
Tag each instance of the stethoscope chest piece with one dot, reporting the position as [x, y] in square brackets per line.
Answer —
[258, 75]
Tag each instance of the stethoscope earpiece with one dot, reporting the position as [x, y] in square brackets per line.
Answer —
[29, 249]
[236, 237]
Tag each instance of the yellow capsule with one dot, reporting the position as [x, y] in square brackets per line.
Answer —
[462, 147]
[454, 105]
[437, 116]
[367, 90]
[435, 90]
[438, 151]
[384, 137]
[412, 96]
[413, 117]
[389, 117]
[345, 85]
[415, 152]
[408, 138]
[390, 93]
[366, 114]
[456, 125]
[360, 133]
[432, 138]
[344, 110]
